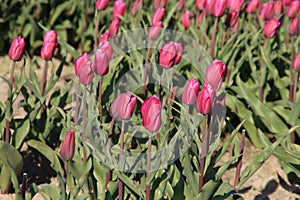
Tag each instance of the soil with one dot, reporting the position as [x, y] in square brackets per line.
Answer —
[269, 182]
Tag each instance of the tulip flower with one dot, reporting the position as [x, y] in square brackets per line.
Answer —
[232, 18]
[253, 6]
[200, 18]
[114, 27]
[235, 5]
[102, 57]
[296, 63]
[84, 69]
[287, 2]
[101, 4]
[49, 45]
[219, 8]
[293, 9]
[205, 99]
[190, 91]
[67, 147]
[294, 26]
[119, 9]
[16, 49]
[155, 30]
[214, 74]
[180, 5]
[185, 19]
[138, 4]
[209, 6]
[278, 7]
[159, 4]
[123, 106]
[271, 27]
[158, 15]
[267, 10]
[170, 54]
[151, 113]
[104, 37]
[79, 62]
[200, 4]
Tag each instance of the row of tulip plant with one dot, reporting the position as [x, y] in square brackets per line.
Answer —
[149, 108]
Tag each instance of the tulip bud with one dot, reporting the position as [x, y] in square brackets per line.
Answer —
[102, 57]
[190, 92]
[271, 27]
[114, 27]
[267, 10]
[253, 6]
[180, 5]
[49, 45]
[101, 4]
[138, 4]
[16, 49]
[278, 7]
[155, 30]
[200, 18]
[158, 15]
[209, 6]
[67, 147]
[123, 106]
[151, 113]
[200, 4]
[219, 8]
[294, 26]
[80, 61]
[170, 54]
[235, 5]
[214, 74]
[84, 69]
[159, 4]
[185, 19]
[179, 51]
[104, 37]
[205, 99]
[296, 63]
[293, 9]
[287, 2]
[119, 9]
[232, 18]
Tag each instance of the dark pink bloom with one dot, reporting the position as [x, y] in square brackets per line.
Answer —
[159, 4]
[205, 99]
[293, 9]
[84, 69]
[155, 30]
[287, 2]
[185, 19]
[119, 9]
[103, 55]
[158, 15]
[294, 26]
[190, 92]
[209, 6]
[200, 4]
[267, 10]
[104, 37]
[235, 5]
[123, 106]
[180, 5]
[271, 27]
[138, 4]
[49, 45]
[214, 74]
[16, 49]
[219, 8]
[296, 62]
[67, 148]
[253, 6]
[232, 18]
[80, 61]
[151, 113]
[114, 27]
[170, 54]
[101, 4]
[278, 7]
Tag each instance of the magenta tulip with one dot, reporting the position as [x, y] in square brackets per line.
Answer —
[214, 74]
[294, 26]
[271, 27]
[16, 49]
[114, 27]
[287, 2]
[101, 4]
[235, 5]
[138, 4]
[180, 5]
[232, 18]
[67, 148]
[278, 7]
[293, 9]
[170, 54]
[185, 19]
[158, 15]
[190, 91]
[49, 45]
[155, 30]
[151, 113]
[253, 6]
[103, 55]
[296, 62]
[119, 9]
[159, 4]
[205, 99]
[267, 10]
[104, 37]
[219, 8]
[209, 6]
[84, 69]
[123, 106]
[200, 4]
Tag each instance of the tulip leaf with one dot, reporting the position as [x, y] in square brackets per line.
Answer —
[21, 133]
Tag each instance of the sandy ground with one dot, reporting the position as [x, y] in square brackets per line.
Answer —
[264, 184]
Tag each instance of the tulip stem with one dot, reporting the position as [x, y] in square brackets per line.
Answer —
[96, 31]
[77, 104]
[204, 151]
[262, 65]
[213, 40]
[149, 52]
[109, 148]
[293, 102]
[84, 122]
[120, 183]
[239, 165]
[148, 167]
[44, 81]
[100, 97]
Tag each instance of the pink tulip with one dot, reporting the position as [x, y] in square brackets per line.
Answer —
[151, 113]
[138, 4]
[190, 92]
[209, 6]
[158, 15]
[214, 74]
[294, 26]
[271, 27]
[114, 27]
[296, 62]
[119, 9]
[235, 5]
[155, 30]
[159, 4]
[200, 18]
[293, 9]
[205, 99]
[267, 10]
[170, 54]
[180, 5]
[253, 6]
[287, 2]
[236, 27]
[103, 55]
[123, 106]
[101, 4]
[49, 45]
[84, 69]
[200, 4]
[232, 18]
[104, 37]
[278, 7]
[80, 61]
[185, 19]
[16, 49]
[67, 148]
[179, 51]
[219, 8]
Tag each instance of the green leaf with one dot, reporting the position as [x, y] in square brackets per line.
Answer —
[49, 190]
[20, 133]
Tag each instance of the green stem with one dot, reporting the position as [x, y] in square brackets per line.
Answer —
[204, 151]
[148, 167]
[84, 122]
[239, 165]
[107, 177]
[149, 52]
[100, 98]
[213, 40]
[96, 31]
[120, 183]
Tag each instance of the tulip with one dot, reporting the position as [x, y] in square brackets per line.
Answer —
[102, 57]
[158, 15]
[232, 18]
[267, 10]
[253, 6]
[101, 4]
[271, 27]
[293, 9]
[16, 49]
[159, 4]
[155, 30]
[200, 18]
[104, 37]
[219, 8]
[119, 9]
[200, 4]
[185, 19]
[278, 7]
[80, 61]
[205, 99]
[138, 4]
[123, 106]
[151, 113]
[180, 5]
[287, 2]
[214, 74]
[84, 69]
[179, 51]
[67, 147]
[296, 62]
[235, 5]
[170, 54]
[294, 26]
[190, 92]
[114, 27]
[49, 45]
[209, 6]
